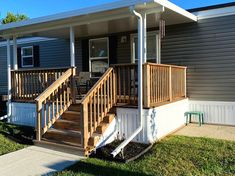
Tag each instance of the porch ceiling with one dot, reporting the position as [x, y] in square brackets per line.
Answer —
[100, 20]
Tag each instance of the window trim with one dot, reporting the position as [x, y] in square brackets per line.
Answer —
[158, 46]
[97, 58]
[22, 57]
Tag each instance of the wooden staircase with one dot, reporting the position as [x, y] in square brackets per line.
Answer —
[66, 124]
[66, 131]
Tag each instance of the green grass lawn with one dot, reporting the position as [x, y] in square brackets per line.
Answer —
[7, 146]
[11, 136]
[175, 155]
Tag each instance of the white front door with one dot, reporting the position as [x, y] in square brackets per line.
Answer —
[153, 47]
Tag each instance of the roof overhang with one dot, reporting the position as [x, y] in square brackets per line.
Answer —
[98, 20]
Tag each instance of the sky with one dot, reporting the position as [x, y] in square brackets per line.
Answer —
[38, 8]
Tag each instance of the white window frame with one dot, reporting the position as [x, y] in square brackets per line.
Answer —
[22, 57]
[98, 58]
[158, 47]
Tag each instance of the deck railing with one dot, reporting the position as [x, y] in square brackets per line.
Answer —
[27, 84]
[54, 101]
[163, 83]
[97, 103]
[127, 83]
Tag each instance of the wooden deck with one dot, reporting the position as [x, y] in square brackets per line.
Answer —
[53, 91]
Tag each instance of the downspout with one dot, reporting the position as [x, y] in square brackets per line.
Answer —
[140, 86]
[9, 78]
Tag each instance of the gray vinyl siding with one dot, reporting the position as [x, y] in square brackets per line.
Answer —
[3, 71]
[207, 48]
[53, 53]
[124, 49]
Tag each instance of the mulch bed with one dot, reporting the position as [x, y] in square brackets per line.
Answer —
[131, 152]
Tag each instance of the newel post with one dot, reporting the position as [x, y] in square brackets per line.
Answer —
[73, 92]
[147, 88]
[170, 83]
[38, 115]
[84, 122]
[185, 82]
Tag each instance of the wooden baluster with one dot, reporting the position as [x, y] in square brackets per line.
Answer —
[98, 105]
[45, 113]
[49, 112]
[90, 115]
[102, 100]
[119, 85]
[94, 107]
[170, 84]
[61, 99]
[53, 107]
[57, 102]
[105, 98]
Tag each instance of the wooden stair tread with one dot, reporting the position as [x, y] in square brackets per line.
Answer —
[64, 124]
[64, 132]
[62, 143]
[62, 147]
[72, 112]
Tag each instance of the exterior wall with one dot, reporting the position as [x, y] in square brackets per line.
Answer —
[157, 122]
[215, 112]
[52, 53]
[207, 49]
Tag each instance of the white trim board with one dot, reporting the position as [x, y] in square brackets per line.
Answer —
[213, 13]
[28, 40]
[216, 112]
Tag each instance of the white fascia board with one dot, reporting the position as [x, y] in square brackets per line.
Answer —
[74, 13]
[28, 40]
[212, 13]
[177, 9]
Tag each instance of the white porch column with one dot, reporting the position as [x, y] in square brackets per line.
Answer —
[9, 77]
[15, 63]
[72, 47]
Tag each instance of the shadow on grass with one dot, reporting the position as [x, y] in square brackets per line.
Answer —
[17, 133]
[102, 170]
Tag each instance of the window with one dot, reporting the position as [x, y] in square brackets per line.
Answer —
[27, 56]
[153, 47]
[99, 56]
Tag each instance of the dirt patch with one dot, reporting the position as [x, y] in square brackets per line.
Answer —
[131, 152]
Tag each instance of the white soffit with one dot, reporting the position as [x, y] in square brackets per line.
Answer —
[98, 20]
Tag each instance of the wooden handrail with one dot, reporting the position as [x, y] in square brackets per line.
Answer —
[40, 69]
[54, 101]
[97, 103]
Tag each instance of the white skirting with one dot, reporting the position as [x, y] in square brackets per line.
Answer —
[157, 122]
[216, 112]
[23, 114]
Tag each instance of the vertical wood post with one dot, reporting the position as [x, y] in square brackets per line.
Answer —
[146, 85]
[185, 82]
[39, 109]
[84, 122]
[170, 83]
